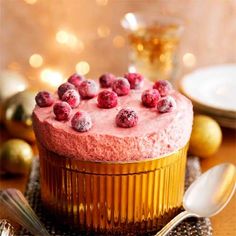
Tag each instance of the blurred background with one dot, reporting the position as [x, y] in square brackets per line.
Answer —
[46, 41]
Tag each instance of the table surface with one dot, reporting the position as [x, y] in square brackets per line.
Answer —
[224, 224]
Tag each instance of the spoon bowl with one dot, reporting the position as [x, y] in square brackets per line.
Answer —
[210, 193]
[207, 195]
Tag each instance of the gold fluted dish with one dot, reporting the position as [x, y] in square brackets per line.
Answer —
[113, 197]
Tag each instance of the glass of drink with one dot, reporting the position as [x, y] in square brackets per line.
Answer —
[153, 41]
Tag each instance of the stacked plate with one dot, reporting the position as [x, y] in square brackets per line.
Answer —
[213, 92]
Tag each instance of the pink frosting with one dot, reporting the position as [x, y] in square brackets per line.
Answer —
[155, 135]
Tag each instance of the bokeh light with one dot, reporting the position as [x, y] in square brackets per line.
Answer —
[62, 37]
[140, 47]
[189, 59]
[69, 39]
[31, 1]
[103, 31]
[51, 77]
[132, 69]
[82, 67]
[36, 60]
[118, 41]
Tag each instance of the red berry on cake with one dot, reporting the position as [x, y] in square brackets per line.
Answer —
[107, 99]
[126, 118]
[150, 97]
[88, 89]
[135, 80]
[76, 79]
[62, 111]
[44, 99]
[106, 80]
[166, 104]
[163, 86]
[72, 97]
[81, 121]
[121, 86]
[63, 88]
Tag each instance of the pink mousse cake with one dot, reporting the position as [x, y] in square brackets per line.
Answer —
[154, 134]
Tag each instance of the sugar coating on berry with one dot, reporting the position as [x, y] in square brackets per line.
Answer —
[135, 80]
[107, 99]
[126, 118]
[72, 97]
[106, 80]
[88, 89]
[63, 88]
[150, 97]
[44, 99]
[62, 111]
[76, 79]
[166, 104]
[81, 121]
[121, 86]
[163, 86]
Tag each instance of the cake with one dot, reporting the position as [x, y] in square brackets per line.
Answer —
[156, 138]
[155, 135]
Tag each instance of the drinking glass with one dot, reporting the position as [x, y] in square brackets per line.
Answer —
[153, 43]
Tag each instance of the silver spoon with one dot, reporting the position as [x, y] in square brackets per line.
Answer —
[19, 210]
[207, 195]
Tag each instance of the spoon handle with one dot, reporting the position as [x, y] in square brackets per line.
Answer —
[175, 221]
[20, 211]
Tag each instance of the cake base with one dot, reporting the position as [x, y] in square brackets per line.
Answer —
[113, 197]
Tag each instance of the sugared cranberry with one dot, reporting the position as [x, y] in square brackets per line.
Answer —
[166, 104]
[88, 89]
[62, 110]
[81, 121]
[126, 118]
[163, 86]
[76, 79]
[63, 88]
[121, 86]
[107, 99]
[106, 80]
[135, 80]
[72, 97]
[44, 99]
[150, 97]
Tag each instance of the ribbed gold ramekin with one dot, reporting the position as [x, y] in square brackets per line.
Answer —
[113, 197]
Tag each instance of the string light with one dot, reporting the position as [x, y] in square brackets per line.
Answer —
[31, 1]
[82, 67]
[118, 41]
[189, 59]
[51, 77]
[103, 31]
[102, 2]
[36, 60]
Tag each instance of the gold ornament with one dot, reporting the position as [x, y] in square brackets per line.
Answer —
[206, 136]
[17, 115]
[15, 156]
[10, 84]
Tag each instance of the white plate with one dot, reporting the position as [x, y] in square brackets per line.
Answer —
[213, 87]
